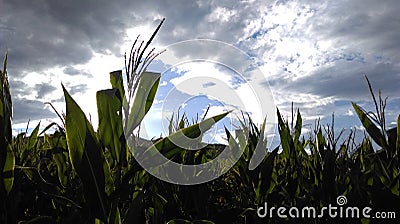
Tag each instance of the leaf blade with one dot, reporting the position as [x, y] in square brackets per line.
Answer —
[86, 157]
[144, 97]
[110, 129]
[369, 126]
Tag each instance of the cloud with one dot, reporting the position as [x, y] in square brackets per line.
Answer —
[163, 83]
[69, 70]
[345, 80]
[312, 53]
[349, 113]
[31, 110]
[72, 71]
[43, 89]
[19, 89]
[81, 88]
[321, 54]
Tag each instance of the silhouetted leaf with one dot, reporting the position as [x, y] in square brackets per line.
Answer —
[144, 97]
[8, 169]
[86, 158]
[369, 126]
[110, 130]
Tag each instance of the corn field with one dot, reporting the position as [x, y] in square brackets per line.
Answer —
[80, 175]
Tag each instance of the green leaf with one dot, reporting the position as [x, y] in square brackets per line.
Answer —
[117, 82]
[297, 128]
[396, 185]
[115, 216]
[61, 162]
[382, 172]
[144, 97]
[186, 135]
[58, 146]
[110, 128]
[267, 168]
[261, 148]
[320, 141]
[86, 157]
[7, 160]
[286, 138]
[136, 211]
[8, 170]
[159, 203]
[171, 124]
[110, 185]
[33, 138]
[398, 136]
[372, 130]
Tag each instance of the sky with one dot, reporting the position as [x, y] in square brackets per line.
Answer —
[267, 53]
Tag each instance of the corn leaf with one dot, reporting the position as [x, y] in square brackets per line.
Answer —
[298, 126]
[193, 131]
[61, 161]
[86, 157]
[57, 143]
[7, 159]
[159, 203]
[115, 215]
[110, 128]
[185, 137]
[261, 149]
[117, 82]
[144, 97]
[8, 170]
[267, 169]
[284, 134]
[372, 130]
[34, 137]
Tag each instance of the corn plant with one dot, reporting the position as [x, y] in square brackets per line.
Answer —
[115, 187]
[7, 160]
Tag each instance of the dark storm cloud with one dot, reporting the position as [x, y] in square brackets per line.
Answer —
[47, 34]
[25, 110]
[65, 33]
[19, 89]
[43, 89]
[371, 25]
[57, 33]
[346, 80]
